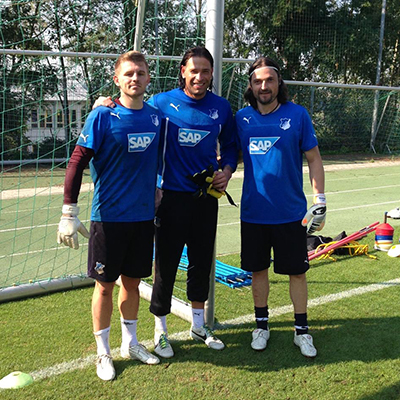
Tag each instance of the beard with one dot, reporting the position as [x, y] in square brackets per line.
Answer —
[265, 101]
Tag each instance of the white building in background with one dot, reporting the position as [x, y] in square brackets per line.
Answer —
[46, 120]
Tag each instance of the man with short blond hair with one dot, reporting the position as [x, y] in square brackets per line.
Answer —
[196, 121]
[122, 146]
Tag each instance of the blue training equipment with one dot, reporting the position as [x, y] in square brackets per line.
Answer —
[224, 273]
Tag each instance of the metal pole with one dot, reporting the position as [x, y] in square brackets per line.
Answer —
[158, 88]
[141, 5]
[378, 78]
[156, 24]
[214, 39]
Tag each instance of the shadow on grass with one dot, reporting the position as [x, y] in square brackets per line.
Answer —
[387, 393]
[338, 340]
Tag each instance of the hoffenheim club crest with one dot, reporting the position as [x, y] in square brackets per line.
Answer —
[154, 119]
[285, 123]
[213, 113]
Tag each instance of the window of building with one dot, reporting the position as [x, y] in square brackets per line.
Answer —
[73, 118]
[34, 117]
[42, 119]
[60, 119]
[83, 116]
[49, 119]
[45, 118]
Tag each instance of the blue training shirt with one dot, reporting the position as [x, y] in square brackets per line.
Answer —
[193, 129]
[273, 147]
[124, 166]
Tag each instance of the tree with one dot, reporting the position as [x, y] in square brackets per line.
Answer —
[334, 40]
[24, 79]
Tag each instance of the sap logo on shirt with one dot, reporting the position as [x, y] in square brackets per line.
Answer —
[191, 137]
[139, 141]
[261, 145]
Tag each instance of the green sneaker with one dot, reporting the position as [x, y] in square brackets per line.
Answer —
[162, 347]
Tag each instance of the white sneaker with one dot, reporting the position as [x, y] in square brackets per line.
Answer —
[260, 339]
[139, 352]
[105, 367]
[162, 347]
[395, 213]
[305, 342]
[206, 335]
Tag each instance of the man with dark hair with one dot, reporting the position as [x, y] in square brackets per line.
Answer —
[274, 134]
[196, 121]
[122, 145]
[199, 52]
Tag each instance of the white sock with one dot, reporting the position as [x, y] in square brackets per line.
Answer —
[102, 340]
[128, 329]
[160, 326]
[197, 317]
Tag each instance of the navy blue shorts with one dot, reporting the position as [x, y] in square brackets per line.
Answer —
[288, 242]
[120, 248]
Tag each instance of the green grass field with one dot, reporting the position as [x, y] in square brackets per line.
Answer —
[353, 315]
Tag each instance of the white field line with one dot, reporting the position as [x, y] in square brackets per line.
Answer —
[338, 209]
[60, 247]
[381, 177]
[344, 191]
[328, 179]
[397, 202]
[225, 205]
[314, 302]
[359, 190]
[338, 167]
[29, 210]
[35, 226]
[46, 191]
[219, 225]
[366, 205]
[40, 191]
[85, 362]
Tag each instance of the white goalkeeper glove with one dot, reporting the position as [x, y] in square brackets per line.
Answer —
[69, 227]
[316, 214]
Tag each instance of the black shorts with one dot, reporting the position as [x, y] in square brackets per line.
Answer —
[288, 241]
[120, 248]
[182, 219]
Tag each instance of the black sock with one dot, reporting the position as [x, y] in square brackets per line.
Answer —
[261, 317]
[300, 323]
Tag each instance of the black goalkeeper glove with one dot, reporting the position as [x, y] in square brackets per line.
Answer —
[204, 180]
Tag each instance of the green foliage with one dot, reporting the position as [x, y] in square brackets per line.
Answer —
[313, 40]
[329, 41]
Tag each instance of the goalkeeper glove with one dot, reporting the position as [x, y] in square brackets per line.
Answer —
[217, 194]
[316, 214]
[69, 227]
[211, 190]
[204, 181]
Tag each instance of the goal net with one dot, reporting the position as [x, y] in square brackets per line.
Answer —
[57, 57]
